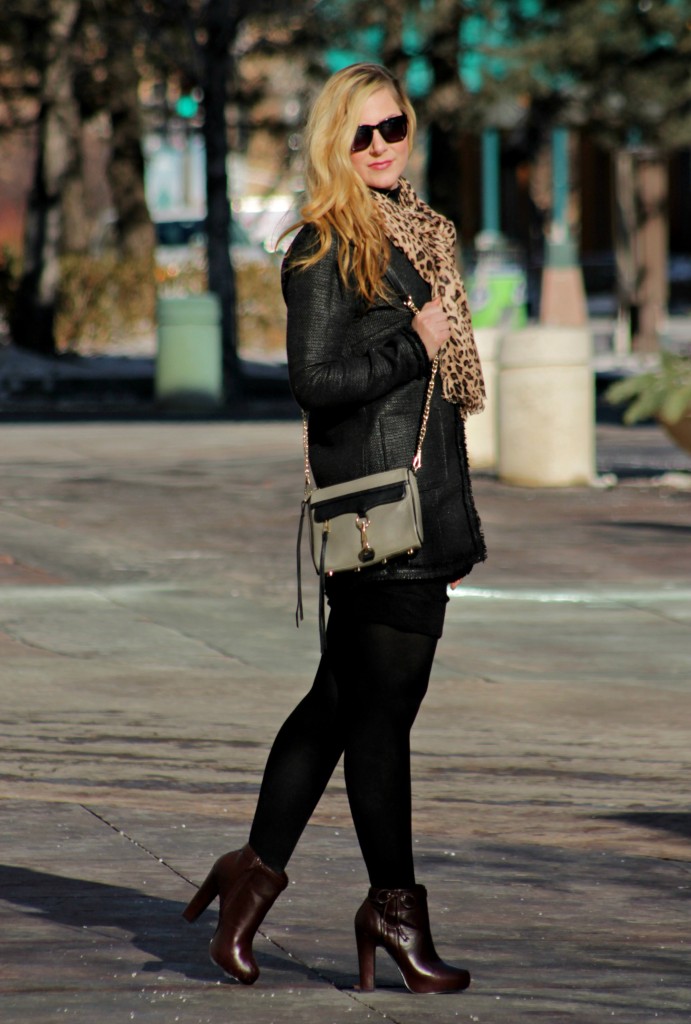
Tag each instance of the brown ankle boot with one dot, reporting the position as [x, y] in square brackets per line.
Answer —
[398, 921]
[247, 889]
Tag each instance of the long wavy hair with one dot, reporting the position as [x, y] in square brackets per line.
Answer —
[338, 201]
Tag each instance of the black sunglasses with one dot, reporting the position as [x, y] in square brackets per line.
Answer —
[393, 129]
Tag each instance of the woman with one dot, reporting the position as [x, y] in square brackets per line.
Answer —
[359, 362]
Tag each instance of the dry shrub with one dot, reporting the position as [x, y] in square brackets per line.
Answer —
[260, 309]
[103, 299]
[10, 269]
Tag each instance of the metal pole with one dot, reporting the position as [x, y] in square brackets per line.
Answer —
[490, 182]
[560, 184]
[563, 298]
[560, 248]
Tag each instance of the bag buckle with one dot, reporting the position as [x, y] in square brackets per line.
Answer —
[367, 552]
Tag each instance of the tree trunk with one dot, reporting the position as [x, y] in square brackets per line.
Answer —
[641, 232]
[217, 63]
[135, 231]
[624, 232]
[76, 226]
[136, 236]
[652, 243]
[56, 164]
[394, 56]
[443, 173]
[443, 154]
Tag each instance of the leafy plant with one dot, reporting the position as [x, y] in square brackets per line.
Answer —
[663, 392]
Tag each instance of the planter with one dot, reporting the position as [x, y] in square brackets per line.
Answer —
[680, 432]
[546, 419]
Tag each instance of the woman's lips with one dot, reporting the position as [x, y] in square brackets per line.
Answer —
[380, 165]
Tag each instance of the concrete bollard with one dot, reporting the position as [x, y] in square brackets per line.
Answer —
[546, 434]
[189, 361]
[481, 429]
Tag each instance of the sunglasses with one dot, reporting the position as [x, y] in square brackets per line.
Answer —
[393, 129]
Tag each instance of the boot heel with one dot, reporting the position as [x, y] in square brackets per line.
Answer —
[366, 953]
[247, 889]
[398, 921]
[207, 892]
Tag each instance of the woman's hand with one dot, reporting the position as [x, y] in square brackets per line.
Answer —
[455, 583]
[432, 326]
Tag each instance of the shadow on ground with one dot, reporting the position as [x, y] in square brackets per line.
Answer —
[149, 923]
[678, 823]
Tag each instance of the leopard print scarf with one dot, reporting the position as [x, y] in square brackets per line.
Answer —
[429, 242]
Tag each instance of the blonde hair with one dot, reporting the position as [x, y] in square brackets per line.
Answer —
[338, 201]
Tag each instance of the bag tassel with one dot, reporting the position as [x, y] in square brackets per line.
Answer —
[299, 613]
[322, 589]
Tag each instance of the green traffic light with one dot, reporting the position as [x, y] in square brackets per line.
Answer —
[186, 106]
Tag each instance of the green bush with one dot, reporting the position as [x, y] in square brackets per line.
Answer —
[663, 392]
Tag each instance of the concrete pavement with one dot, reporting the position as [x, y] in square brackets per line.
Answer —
[148, 653]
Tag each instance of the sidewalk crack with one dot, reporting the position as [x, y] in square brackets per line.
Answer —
[355, 996]
[135, 842]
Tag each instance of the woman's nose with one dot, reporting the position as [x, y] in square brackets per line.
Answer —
[378, 145]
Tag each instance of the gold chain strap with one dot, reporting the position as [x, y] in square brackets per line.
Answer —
[417, 458]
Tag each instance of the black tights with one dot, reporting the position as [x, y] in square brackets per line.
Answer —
[364, 700]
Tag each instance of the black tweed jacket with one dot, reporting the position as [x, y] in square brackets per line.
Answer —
[361, 373]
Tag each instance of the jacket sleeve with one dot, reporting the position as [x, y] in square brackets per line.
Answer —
[321, 311]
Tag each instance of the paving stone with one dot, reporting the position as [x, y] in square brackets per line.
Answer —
[148, 653]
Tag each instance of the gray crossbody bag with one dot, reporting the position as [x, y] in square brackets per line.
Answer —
[366, 521]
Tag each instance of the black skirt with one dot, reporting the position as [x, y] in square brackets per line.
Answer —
[413, 606]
